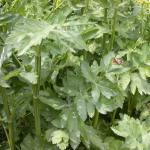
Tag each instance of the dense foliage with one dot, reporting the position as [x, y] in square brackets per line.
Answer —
[74, 74]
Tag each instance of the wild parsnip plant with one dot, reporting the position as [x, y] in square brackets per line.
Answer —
[74, 75]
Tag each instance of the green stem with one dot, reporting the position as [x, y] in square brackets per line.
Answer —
[147, 22]
[105, 35]
[6, 133]
[86, 5]
[96, 118]
[142, 25]
[11, 132]
[57, 3]
[36, 89]
[5, 102]
[9, 118]
[113, 116]
[113, 29]
[131, 104]
[16, 60]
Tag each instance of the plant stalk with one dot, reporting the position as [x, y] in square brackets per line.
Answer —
[113, 30]
[105, 36]
[36, 89]
[96, 118]
[130, 104]
[11, 133]
[113, 116]
[142, 14]
[86, 5]
[9, 118]
[56, 3]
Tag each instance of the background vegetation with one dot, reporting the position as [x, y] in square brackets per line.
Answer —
[74, 74]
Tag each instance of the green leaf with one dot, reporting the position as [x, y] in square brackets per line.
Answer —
[11, 74]
[30, 32]
[95, 94]
[7, 18]
[115, 144]
[73, 83]
[30, 77]
[106, 61]
[124, 80]
[89, 33]
[73, 127]
[107, 88]
[81, 107]
[52, 101]
[142, 85]
[4, 84]
[144, 72]
[87, 73]
[90, 136]
[60, 138]
[30, 143]
[90, 109]
[134, 132]
[27, 33]
[105, 105]
[94, 32]
[60, 15]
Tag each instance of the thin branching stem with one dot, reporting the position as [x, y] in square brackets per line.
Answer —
[9, 118]
[96, 119]
[113, 116]
[57, 3]
[105, 36]
[36, 89]
[113, 30]
[86, 5]
[6, 133]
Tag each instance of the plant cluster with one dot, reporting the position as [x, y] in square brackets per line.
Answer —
[74, 75]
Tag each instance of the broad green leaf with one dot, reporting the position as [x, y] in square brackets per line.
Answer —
[95, 93]
[81, 108]
[144, 72]
[115, 144]
[106, 61]
[22, 102]
[30, 143]
[142, 85]
[7, 18]
[90, 136]
[95, 68]
[27, 33]
[90, 33]
[107, 88]
[73, 127]
[87, 73]
[60, 138]
[30, 77]
[4, 84]
[124, 80]
[134, 132]
[60, 15]
[11, 74]
[62, 120]
[105, 105]
[90, 109]
[101, 31]
[73, 84]
[74, 140]
[30, 32]
[52, 101]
